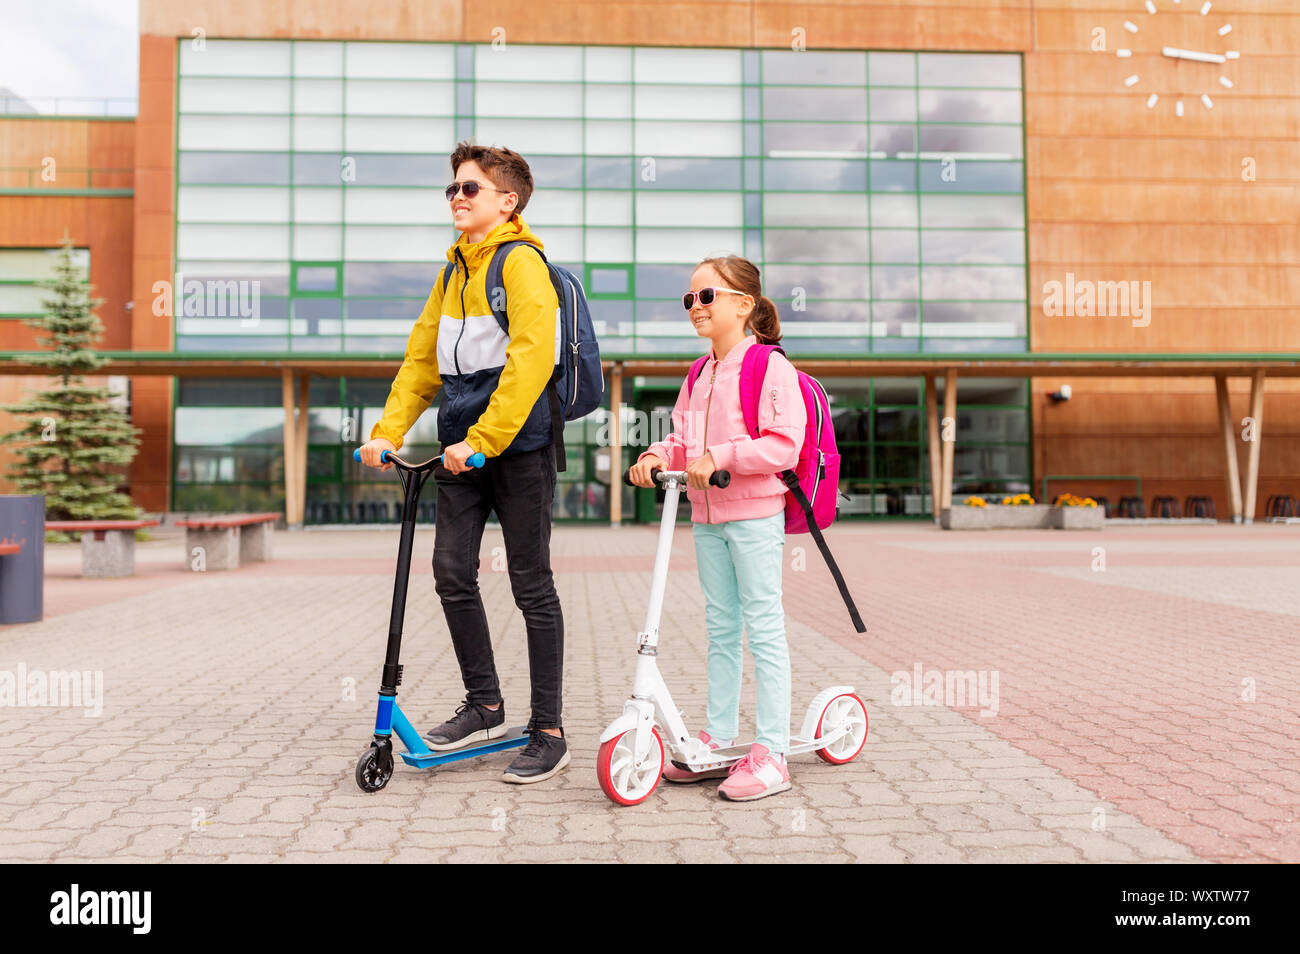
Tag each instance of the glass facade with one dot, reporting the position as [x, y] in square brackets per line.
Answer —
[229, 453]
[881, 194]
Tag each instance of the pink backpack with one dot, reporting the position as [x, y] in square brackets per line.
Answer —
[813, 485]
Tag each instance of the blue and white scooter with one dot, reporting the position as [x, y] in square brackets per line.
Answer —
[632, 755]
[376, 766]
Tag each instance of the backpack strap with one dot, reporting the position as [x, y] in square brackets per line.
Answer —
[495, 288]
[495, 280]
[791, 480]
[445, 277]
[753, 371]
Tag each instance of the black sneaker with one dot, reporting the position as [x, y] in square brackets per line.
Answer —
[471, 723]
[543, 757]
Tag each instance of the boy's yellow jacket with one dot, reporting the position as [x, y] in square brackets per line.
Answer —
[494, 386]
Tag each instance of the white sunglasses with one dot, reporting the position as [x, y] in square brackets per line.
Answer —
[706, 296]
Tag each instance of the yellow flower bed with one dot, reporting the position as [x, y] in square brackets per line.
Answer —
[1019, 500]
[976, 502]
[1070, 500]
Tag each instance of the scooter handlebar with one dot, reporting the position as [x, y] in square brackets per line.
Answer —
[719, 478]
[475, 460]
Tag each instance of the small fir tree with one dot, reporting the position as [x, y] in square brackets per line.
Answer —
[76, 443]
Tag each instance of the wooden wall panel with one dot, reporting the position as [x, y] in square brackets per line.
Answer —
[1169, 244]
[153, 261]
[1253, 34]
[75, 145]
[1212, 162]
[27, 142]
[961, 25]
[310, 19]
[151, 410]
[877, 24]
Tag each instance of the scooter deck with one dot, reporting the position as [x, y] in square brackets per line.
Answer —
[721, 758]
[515, 738]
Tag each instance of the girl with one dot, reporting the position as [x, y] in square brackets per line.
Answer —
[739, 531]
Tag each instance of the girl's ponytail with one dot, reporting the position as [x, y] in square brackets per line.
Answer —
[764, 321]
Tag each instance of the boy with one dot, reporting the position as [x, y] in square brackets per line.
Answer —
[496, 399]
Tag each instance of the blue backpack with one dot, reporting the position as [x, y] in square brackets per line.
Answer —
[578, 383]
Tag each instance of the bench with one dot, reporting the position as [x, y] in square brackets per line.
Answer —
[223, 542]
[107, 546]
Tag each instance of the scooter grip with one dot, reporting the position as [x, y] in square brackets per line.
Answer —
[476, 459]
[654, 476]
[383, 455]
[719, 478]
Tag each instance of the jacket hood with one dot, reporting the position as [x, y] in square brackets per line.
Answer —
[516, 229]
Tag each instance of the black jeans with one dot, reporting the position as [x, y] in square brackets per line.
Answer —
[520, 488]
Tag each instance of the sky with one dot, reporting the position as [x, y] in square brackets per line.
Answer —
[69, 48]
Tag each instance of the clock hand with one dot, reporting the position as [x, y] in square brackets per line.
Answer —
[1173, 51]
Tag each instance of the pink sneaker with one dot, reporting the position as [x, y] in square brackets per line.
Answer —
[757, 775]
[673, 774]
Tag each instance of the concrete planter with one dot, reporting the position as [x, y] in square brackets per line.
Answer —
[997, 517]
[1078, 518]
[1031, 517]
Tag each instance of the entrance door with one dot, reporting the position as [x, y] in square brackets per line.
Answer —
[653, 421]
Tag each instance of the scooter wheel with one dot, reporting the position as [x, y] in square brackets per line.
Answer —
[843, 711]
[373, 771]
[623, 781]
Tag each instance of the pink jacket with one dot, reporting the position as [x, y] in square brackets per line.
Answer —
[711, 419]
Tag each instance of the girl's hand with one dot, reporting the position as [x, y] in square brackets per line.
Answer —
[699, 471]
[640, 471]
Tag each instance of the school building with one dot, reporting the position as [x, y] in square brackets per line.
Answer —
[1028, 245]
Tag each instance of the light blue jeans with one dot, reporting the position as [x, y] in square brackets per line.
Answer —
[740, 573]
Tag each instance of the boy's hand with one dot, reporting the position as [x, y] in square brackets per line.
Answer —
[454, 457]
[699, 471]
[639, 473]
[370, 453]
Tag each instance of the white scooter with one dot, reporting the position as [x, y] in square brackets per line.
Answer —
[631, 757]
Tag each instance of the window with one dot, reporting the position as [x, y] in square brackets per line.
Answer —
[21, 269]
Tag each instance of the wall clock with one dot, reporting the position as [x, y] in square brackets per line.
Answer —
[1198, 70]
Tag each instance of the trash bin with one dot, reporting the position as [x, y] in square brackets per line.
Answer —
[22, 574]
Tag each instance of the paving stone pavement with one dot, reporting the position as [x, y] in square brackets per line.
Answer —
[235, 705]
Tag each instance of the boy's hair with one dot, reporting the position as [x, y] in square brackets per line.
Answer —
[742, 275]
[505, 167]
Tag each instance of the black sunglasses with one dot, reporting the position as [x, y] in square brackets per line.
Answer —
[469, 187]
